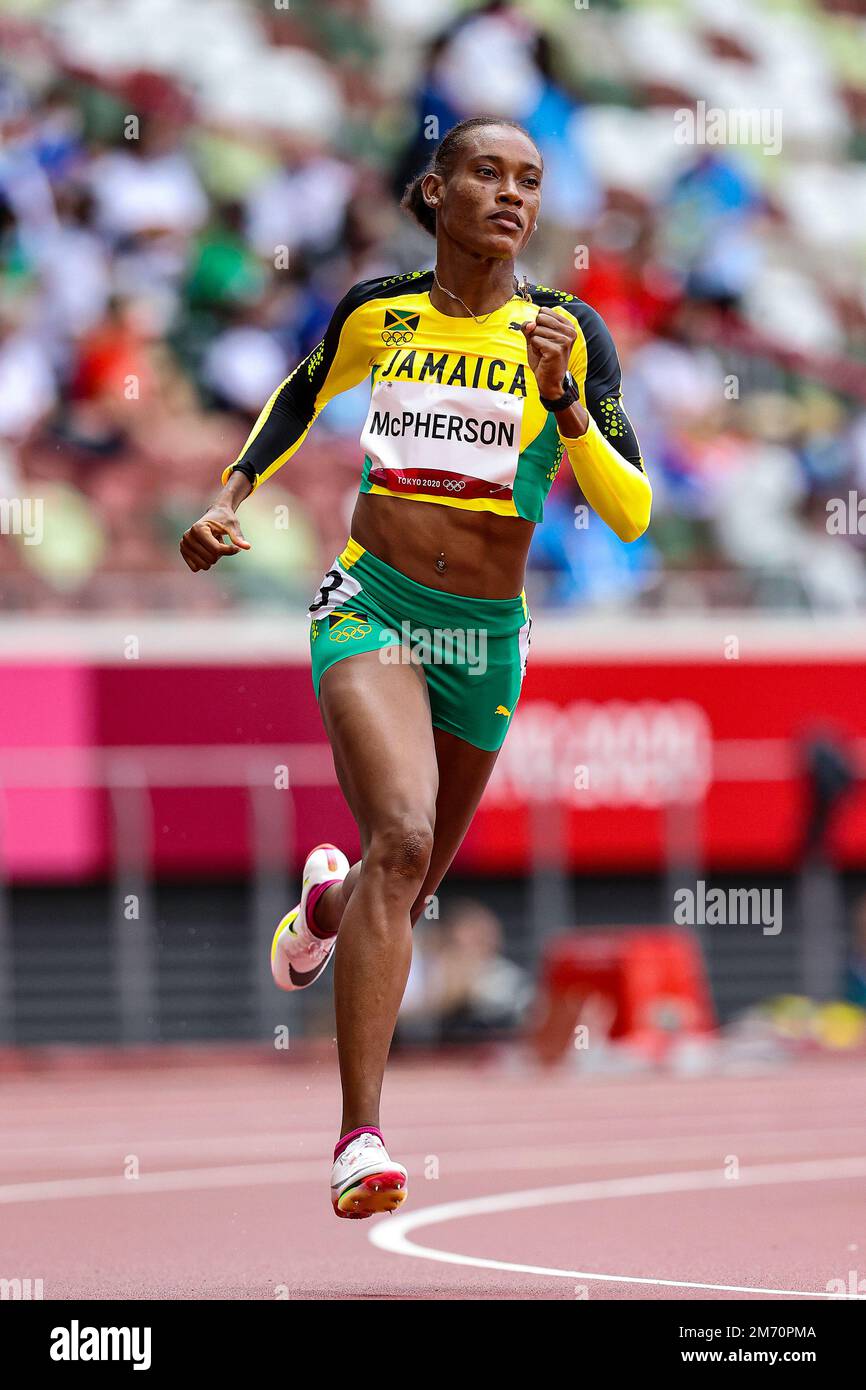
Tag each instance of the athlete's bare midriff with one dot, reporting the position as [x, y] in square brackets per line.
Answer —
[484, 555]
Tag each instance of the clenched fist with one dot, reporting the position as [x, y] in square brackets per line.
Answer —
[549, 340]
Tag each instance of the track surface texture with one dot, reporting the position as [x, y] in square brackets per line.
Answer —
[209, 1179]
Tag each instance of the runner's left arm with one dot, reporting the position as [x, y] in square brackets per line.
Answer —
[606, 458]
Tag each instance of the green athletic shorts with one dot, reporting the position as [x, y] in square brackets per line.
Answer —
[473, 650]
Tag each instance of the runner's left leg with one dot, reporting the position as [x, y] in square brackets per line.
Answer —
[464, 771]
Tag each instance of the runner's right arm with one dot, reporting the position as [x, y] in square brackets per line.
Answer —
[340, 361]
[336, 364]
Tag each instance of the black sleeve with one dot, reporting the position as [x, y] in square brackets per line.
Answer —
[603, 386]
[337, 364]
[289, 414]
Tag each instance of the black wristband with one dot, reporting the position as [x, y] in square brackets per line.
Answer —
[248, 471]
[570, 395]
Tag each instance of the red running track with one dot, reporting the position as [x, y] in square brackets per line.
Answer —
[645, 1188]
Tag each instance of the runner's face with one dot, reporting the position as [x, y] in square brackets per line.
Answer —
[491, 200]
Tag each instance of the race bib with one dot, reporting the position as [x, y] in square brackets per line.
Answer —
[337, 588]
[443, 441]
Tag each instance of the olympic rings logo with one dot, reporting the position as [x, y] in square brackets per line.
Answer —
[450, 486]
[397, 337]
[346, 634]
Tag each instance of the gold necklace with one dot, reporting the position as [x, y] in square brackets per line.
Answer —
[480, 319]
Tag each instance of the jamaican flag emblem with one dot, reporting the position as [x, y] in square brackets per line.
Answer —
[400, 326]
[342, 627]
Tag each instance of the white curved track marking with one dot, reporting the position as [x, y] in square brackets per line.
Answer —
[393, 1235]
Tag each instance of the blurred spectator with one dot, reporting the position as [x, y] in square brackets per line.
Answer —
[302, 207]
[27, 385]
[149, 187]
[461, 987]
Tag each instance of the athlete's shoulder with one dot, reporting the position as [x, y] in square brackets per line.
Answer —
[355, 321]
[547, 298]
[386, 287]
[602, 362]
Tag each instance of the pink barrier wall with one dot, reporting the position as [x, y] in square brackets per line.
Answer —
[54, 833]
[631, 726]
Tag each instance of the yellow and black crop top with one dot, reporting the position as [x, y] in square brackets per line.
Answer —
[455, 415]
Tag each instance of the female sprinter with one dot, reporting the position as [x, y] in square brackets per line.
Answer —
[420, 630]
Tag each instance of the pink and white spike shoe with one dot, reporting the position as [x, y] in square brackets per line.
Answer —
[365, 1179]
[298, 957]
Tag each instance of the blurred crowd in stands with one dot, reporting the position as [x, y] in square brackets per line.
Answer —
[187, 190]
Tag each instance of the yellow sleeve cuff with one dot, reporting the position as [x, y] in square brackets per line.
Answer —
[617, 491]
[227, 472]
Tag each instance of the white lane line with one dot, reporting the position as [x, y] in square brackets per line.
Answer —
[393, 1235]
[263, 1174]
[177, 1180]
[285, 1145]
[306, 1170]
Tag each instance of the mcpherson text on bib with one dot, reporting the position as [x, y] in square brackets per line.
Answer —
[422, 437]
